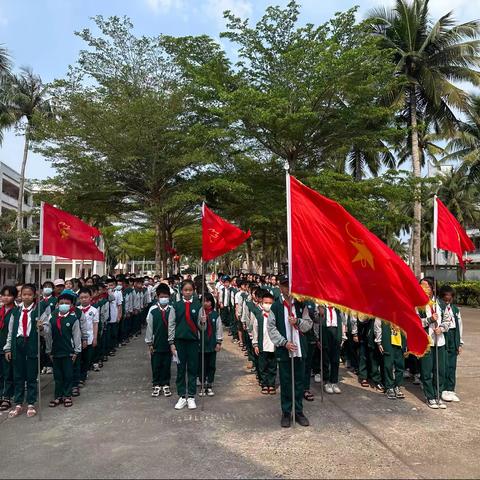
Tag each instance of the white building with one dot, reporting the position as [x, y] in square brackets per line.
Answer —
[51, 267]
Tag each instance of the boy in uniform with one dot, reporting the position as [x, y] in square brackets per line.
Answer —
[9, 293]
[391, 344]
[91, 318]
[286, 330]
[156, 337]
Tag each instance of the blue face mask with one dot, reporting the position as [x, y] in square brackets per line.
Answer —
[118, 288]
[63, 308]
[163, 301]
[47, 291]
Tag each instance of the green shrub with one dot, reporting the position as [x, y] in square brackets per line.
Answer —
[468, 293]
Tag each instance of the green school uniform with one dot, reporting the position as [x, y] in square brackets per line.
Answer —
[161, 358]
[369, 355]
[6, 368]
[331, 344]
[393, 359]
[453, 342]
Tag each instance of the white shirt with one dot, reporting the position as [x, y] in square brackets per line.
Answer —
[118, 300]
[29, 323]
[268, 345]
[331, 317]
[449, 317]
[91, 317]
[295, 338]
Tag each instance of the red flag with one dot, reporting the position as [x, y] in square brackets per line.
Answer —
[219, 236]
[448, 233]
[65, 235]
[336, 260]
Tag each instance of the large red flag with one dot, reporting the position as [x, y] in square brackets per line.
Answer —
[65, 235]
[336, 260]
[219, 236]
[448, 233]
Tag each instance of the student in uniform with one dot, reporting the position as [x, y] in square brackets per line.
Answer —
[8, 294]
[91, 319]
[183, 340]
[312, 341]
[254, 308]
[225, 305]
[211, 325]
[391, 344]
[241, 312]
[332, 338]
[115, 299]
[63, 339]
[100, 302]
[436, 327]
[264, 347]
[454, 340]
[22, 350]
[286, 329]
[58, 287]
[159, 317]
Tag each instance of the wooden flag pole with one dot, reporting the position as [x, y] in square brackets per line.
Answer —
[202, 334]
[40, 259]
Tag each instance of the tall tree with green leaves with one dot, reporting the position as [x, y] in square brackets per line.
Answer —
[5, 73]
[27, 102]
[432, 58]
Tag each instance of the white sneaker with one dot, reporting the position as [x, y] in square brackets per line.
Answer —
[336, 388]
[166, 391]
[407, 374]
[416, 380]
[49, 371]
[201, 393]
[191, 403]
[44, 370]
[317, 378]
[454, 397]
[328, 388]
[441, 404]
[446, 396]
[156, 391]
[182, 403]
[96, 368]
[210, 392]
[432, 404]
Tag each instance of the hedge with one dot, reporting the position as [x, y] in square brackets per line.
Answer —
[468, 293]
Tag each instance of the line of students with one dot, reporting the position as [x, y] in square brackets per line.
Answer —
[79, 330]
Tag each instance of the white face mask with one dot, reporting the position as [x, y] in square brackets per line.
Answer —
[267, 306]
[163, 301]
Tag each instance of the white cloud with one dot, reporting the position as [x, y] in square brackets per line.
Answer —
[165, 6]
[215, 8]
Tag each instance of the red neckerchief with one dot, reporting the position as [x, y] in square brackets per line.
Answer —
[25, 319]
[3, 314]
[63, 315]
[164, 316]
[289, 308]
[209, 322]
[188, 317]
[86, 309]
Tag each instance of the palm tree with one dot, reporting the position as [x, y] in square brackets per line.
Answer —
[26, 103]
[430, 57]
[5, 65]
[465, 145]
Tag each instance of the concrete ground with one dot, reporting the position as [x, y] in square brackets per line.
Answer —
[116, 430]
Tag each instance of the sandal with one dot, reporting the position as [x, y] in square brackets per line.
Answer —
[5, 405]
[15, 412]
[67, 402]
[75, 392]
[309, 396]
[31, 412]
[265, 391]
[365, 383]
[55, 403]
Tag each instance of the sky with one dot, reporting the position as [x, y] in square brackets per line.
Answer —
[40, 34]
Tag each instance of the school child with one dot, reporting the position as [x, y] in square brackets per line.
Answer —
[21, 349]
[115, 299]
[156, 337]
[436, 326]
[101, 304]
[332, 338]
[183, 340]
[226, 310]
[48, 301]
[211, 325]
[391, 344]
[58, 287]
[454, 340]
[350, 346]
[138, 302]
[91, 319]
[241, 312]
[312, 340]
[285, 329]
[274, 288]
[264, 347]
[254, 308]
[124, 320]
[64, 344]
[369, 357]
[8, 294]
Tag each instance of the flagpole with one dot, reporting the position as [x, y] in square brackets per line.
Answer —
[202, 334]
[40, 259]
[289, 250]
[435, 249]
[321, 357]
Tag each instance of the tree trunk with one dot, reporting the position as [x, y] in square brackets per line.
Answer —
[163, 253]
[417, 202]
[20, 207]
[264, 253]
[249, 255]
[158, 246]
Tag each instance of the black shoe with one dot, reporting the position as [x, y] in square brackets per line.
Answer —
[286, 420]
[302, 420]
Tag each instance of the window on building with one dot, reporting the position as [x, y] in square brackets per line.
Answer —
[26, 199]
[25, 222]
[10, 189]
[48, 274]
[62, 273]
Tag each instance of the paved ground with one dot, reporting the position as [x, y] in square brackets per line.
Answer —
[116, 430]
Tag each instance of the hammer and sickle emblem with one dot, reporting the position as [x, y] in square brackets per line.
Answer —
[64, 230]
[214, 235]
